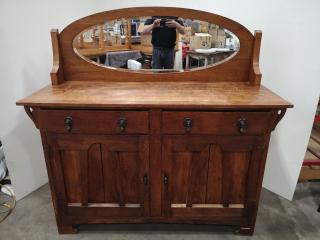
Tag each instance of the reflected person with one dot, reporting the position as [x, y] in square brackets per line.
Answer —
[164, 33]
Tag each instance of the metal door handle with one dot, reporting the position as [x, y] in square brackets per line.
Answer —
[188, 122]
[145, 179]
[242, 125]
[165, 180]
[122, 123]
[68, 122]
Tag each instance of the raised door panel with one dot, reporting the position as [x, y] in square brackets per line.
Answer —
[101, 175]
[207, 176]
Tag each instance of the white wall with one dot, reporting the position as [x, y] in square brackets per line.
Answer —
[289, 63]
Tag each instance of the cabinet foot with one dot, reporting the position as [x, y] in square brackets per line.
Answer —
[245, 231]
[67, 229]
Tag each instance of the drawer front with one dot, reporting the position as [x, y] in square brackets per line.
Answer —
[78, 121]
[229, 123]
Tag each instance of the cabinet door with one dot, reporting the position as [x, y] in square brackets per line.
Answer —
[209, 176]
[96, 175]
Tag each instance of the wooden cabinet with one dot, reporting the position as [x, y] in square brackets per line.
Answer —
[100, 175]
[130, 147]
[209, 176]
[204, 169]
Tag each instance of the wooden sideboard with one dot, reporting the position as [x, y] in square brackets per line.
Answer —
[124, 147]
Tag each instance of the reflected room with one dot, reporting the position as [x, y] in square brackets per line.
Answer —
[156, 44]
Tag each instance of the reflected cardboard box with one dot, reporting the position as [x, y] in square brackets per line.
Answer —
[200, 41]
[221, 39]
[218, 38]
[112, 40]
[220, 42]
[213, 30]
[203, 26]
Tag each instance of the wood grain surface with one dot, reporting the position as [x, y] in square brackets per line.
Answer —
[215, 122]
[80, 94]
[106, 122]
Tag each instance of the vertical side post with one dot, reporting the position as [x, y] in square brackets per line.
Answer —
[129, 37]
[255, 74]
[101, 37]
[81, 41]
[56, 74]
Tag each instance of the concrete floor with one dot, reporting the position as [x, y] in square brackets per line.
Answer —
[277, 218]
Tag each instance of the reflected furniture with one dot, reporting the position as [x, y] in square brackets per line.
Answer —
[130, 147]
[97, 52]
[120, 59]
[208, 57]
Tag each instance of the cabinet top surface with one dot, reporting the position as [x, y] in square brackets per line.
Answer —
[80, 94]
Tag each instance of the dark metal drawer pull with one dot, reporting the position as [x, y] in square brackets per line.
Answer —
[188, 122]
[122, 123]
[242, 125]
[165, 180]
[68, 122]
[145, 179]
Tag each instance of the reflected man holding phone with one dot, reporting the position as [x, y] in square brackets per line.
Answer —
[164, 33]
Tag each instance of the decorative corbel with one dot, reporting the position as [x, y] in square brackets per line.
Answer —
[29, 110]
[280, 113]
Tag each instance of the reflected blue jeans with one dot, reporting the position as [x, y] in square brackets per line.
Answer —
[163, 58]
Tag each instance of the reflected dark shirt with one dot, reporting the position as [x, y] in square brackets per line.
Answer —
[163, 36]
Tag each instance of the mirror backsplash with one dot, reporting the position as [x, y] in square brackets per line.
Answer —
[156, 44]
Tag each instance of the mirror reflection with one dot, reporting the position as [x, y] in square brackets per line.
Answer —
[156, 44]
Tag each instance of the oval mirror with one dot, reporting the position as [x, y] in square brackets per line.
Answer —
[156, 44]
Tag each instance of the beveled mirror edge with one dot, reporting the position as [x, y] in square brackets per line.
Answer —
[77, 69]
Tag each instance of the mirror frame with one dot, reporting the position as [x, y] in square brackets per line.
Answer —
[69, 66]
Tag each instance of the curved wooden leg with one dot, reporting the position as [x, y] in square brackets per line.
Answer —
[67, 229]
[248, 230]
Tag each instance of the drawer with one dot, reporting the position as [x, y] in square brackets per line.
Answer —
[229, 123]
[78, 121]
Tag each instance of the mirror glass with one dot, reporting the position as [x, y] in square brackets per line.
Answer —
[156, 44]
